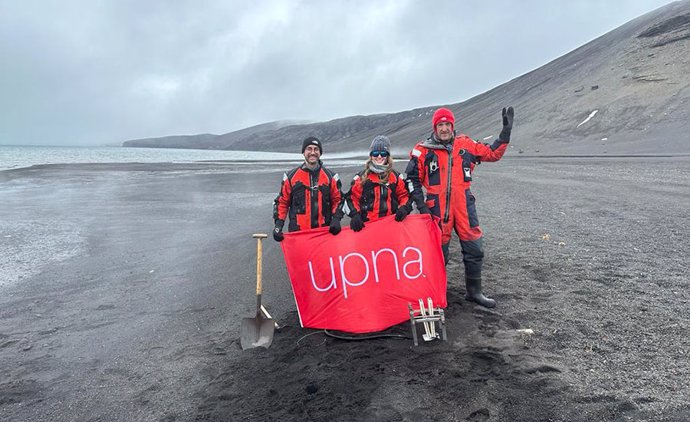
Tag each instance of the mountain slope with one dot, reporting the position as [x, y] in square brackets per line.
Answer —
[633, 83]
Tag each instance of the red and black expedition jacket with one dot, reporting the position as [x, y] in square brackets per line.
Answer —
[376, 198]
[308, 197]
[444, 171]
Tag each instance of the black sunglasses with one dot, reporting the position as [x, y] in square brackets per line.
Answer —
[383, 154]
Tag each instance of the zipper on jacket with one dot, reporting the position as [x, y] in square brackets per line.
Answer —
[314, 188]
[383, 199]
[448, 185]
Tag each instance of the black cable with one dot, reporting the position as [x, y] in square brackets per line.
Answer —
[365, 336]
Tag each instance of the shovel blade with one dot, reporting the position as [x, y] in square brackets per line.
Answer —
[256, 332]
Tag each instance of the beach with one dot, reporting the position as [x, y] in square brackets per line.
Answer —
[124, 285]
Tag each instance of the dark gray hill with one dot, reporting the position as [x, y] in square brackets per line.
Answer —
[634, 82]
[207, 140]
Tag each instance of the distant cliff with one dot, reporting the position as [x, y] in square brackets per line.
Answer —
[626, 92]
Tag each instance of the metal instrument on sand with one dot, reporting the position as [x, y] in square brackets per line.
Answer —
[429, 317]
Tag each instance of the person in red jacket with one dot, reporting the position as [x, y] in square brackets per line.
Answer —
[443, 165]
[378, 190]
[309, 195]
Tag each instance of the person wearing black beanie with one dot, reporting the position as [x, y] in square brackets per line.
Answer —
[312, 140]
[310, 195]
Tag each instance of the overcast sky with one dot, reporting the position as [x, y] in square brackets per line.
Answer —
[101, 72]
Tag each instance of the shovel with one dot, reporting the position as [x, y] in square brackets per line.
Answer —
[257, 331]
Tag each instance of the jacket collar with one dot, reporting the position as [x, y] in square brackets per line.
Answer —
[433, 143]
[314, 170]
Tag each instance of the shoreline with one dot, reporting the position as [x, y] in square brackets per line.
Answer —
[346, 162]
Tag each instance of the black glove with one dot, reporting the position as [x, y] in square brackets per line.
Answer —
[508, 115]
[278, 231]
[424, 210]
[401, 213]
[334, 227]
[356, 222]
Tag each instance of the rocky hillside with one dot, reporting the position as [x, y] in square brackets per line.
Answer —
[626, 92]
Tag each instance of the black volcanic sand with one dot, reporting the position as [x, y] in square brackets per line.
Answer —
[141, 320]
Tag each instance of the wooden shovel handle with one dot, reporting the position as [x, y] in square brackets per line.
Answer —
[258, 237]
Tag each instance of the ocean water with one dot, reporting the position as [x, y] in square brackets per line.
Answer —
[12, 157]
[50, 233]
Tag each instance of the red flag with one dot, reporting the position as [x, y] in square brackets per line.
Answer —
[362, 282]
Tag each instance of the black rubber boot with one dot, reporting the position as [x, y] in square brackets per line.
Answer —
[474, 293]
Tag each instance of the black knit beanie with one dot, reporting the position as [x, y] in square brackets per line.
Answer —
[312, 141]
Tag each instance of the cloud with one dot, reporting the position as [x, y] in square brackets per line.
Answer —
[84, 72]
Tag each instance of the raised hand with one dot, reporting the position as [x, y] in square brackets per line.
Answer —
[508, 115]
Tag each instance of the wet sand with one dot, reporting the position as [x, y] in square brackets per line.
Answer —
[123, 288]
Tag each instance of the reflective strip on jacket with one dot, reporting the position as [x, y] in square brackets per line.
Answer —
[376, 198]
[307, 198]
[445, 171]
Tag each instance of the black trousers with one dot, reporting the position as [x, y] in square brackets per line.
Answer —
[472, 256]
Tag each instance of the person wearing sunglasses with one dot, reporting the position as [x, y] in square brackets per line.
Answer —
[378, 190]
[442, 165]
[310, 195]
